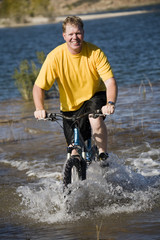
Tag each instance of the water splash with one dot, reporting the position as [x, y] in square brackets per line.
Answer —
[106, 191]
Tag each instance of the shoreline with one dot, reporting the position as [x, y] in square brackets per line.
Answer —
[108, 15]
[44, 21]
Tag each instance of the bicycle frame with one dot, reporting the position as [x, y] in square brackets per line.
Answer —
[83, 149]
[76, 165]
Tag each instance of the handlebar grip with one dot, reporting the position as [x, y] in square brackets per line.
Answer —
[50, 116]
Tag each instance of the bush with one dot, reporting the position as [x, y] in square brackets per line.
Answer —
[26, 75]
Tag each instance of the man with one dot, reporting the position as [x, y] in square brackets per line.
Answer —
[85, 80]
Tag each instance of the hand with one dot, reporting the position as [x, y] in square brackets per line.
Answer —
[108, 109]
[40, 114]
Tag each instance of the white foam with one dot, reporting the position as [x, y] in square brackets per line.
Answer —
[119, 189]
[147, 162]
[20, 165]
[35, 168]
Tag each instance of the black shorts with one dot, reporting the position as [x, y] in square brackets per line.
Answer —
[91, 105]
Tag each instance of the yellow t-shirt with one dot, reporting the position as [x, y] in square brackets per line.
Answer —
[78, 76]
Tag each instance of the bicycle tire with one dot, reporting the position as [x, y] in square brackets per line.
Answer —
[79, 165]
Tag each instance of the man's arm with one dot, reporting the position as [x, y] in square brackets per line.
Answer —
[38, 97]
[111, 92]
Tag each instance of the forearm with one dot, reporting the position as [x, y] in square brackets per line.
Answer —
[111, 93]
[111, 90]
[38, 97]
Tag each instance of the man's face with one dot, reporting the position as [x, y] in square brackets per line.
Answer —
[74, 38]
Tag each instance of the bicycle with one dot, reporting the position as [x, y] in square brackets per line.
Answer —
[75, 167]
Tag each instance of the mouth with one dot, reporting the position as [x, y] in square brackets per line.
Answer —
[76, 43]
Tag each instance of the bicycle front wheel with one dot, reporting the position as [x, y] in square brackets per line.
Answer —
[74, 170]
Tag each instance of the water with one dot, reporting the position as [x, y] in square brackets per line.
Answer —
[124, 201]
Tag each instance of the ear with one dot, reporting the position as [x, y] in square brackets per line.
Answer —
[64, 36]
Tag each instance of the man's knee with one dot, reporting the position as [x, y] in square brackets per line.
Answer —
[96, 123]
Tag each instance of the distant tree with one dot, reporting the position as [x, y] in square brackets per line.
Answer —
[19, 9]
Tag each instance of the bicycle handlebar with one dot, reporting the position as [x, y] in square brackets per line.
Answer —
[56, 116]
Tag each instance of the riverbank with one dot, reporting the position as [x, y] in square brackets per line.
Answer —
[107, 15]
[40, 20]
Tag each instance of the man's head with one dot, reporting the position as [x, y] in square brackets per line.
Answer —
[72, 20]
[73, 33]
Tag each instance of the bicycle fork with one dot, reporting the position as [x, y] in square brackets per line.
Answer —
[84, 151]
[76, 143]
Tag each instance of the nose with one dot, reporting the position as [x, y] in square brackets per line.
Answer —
[74, 35]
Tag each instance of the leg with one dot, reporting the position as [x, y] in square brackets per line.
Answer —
[99, 131]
